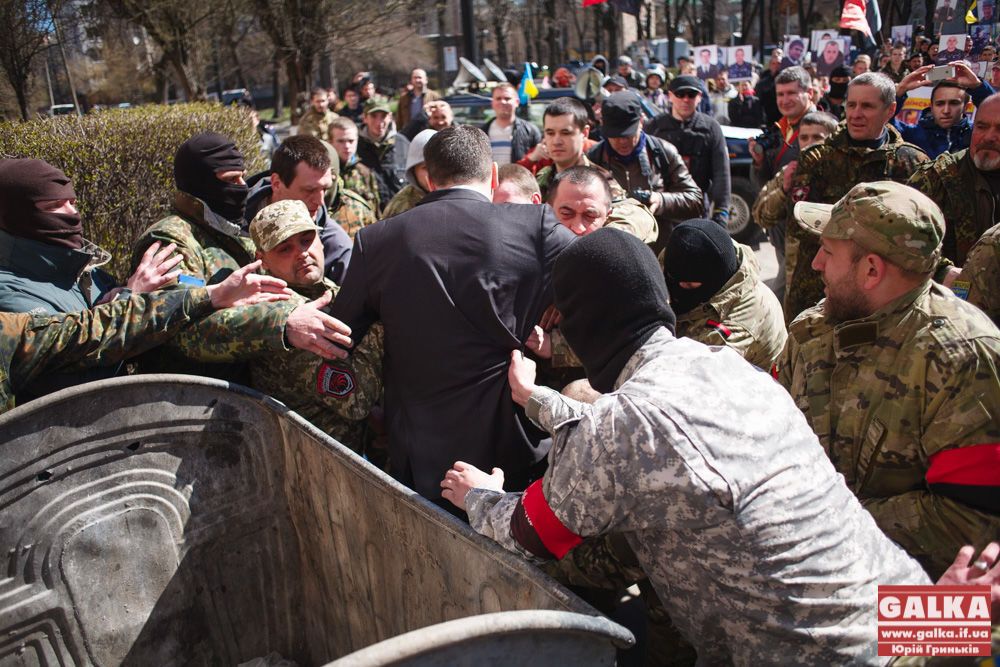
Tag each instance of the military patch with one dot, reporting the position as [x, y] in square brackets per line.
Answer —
[961, 289]
[800, 193]
[720, 327]
[334, 381]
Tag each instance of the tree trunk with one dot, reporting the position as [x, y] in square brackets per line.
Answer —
[21, 91]
[278, 91]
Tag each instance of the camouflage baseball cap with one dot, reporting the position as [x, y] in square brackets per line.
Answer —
[374, 105]
[889, 219]
[278, 222]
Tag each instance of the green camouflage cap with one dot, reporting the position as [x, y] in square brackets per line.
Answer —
[278, 222]
[892, 220]
[377, 105]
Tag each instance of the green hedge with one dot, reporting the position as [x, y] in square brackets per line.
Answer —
[121, 162]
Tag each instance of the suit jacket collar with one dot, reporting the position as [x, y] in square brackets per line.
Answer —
[454, 194]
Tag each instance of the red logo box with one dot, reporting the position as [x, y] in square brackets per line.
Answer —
[934, 620]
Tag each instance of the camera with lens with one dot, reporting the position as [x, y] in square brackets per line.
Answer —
[768, 139]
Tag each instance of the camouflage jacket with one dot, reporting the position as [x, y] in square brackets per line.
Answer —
[315, 123]
[351, 211]
[336, 396]
[726, 498]
[546, 174]
[825, 174]
[405, 199]
[216, 345]
[886, 393]
[771, 206]
[32, 345]
[744, 315]
[981, 274]
[359, 179]
[965, 198]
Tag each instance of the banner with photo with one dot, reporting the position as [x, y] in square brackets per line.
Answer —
[739, 61]
[902, 33]
[795, 48]
[706, 59]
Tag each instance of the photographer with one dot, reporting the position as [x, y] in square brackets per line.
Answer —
[779, 145]
[649, 169]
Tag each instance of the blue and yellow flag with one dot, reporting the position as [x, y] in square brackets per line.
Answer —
[527, 90]
[972, 16]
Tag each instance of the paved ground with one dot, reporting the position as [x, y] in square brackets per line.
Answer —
[768, 262]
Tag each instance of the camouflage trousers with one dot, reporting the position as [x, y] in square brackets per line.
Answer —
[599, 571]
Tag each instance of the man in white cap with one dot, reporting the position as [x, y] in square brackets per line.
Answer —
[416, 176]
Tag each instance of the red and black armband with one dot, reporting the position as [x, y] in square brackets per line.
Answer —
[537, 528]
[721, 328]
[970, 475]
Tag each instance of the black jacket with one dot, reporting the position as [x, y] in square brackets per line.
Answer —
[701, 143]
[746, 111]
[388, 161]
[524, 137]
[458, 283]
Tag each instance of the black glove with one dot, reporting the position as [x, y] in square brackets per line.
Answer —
[644, 197]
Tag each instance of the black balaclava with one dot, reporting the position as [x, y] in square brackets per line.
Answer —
[24, 182]
[195, 165]
[838, 91]
[698, 251]
[610, 291]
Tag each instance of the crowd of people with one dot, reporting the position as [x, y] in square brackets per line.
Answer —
[549, 332]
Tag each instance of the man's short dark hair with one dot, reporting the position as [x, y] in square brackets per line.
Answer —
[568, 106]
[317, 91]
[457, 155]
[580, 175]
[520, 177]
[295, 149]
[795, 74]
[825, 120]
[948, 84]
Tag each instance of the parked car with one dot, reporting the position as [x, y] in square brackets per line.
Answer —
[474, 109]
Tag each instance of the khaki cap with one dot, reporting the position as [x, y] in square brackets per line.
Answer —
[280, 221]
[892, 220]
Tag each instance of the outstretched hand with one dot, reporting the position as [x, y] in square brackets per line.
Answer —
[983, 571]
[309, 328]
[156, 268]
[244, 287]
[464, 476]
[521, 376]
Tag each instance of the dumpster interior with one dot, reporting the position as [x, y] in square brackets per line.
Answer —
[162, 520]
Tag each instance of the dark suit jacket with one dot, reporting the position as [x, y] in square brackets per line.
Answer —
[458, 284]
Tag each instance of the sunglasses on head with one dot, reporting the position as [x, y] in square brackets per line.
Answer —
[687, 94]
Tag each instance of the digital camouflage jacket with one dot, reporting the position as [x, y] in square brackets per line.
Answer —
[752, 541]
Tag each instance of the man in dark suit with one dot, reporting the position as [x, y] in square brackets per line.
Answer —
[458, 284]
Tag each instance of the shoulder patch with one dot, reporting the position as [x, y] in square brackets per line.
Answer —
[720, 327]
[333, 381]
[800, 193]
[961, 289]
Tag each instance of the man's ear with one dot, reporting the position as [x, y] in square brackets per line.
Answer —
[263, 266]
[276, 184]
[431, 187]
[874, 269]
[536, 198]
[494, 177]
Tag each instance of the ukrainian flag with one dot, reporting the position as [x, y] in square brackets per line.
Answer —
[972, 16]
[527, 90]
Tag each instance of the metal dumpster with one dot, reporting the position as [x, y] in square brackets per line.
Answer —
[165, 520]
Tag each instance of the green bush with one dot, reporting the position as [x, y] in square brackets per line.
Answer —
[121, 162]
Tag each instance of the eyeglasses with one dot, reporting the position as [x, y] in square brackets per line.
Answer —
[687, 94]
